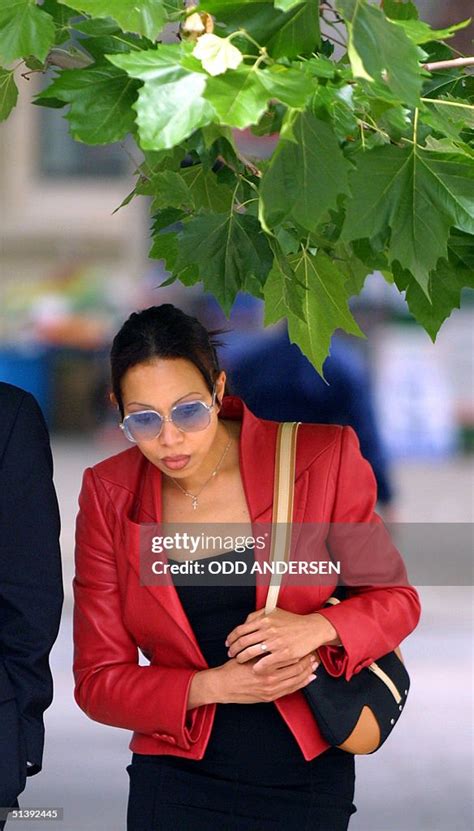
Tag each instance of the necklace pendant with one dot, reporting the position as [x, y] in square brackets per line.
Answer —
[195, 502]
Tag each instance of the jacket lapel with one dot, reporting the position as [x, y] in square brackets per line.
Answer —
[257, 465]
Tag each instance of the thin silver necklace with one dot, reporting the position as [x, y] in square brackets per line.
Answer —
[193, 496]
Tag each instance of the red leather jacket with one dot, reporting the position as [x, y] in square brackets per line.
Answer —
[114, 614]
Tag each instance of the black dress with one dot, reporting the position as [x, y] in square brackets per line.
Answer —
[253, 776]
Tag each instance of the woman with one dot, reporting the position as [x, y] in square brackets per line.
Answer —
[223, 737]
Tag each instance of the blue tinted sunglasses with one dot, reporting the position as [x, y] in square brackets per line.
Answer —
[190, 417]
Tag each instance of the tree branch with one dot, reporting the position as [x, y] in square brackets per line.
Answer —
[254, 170]
[335, 40]
[454, 62]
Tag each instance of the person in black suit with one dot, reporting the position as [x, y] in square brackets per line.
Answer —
[31, 587]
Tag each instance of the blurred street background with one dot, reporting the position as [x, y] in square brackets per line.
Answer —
[70, 273]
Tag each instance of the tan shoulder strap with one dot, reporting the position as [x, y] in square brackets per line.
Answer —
[283, 492]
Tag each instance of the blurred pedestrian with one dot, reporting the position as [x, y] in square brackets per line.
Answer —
[278, 382]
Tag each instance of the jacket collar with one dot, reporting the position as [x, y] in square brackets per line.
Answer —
[256, 467]
[257, 461]
[257, 470]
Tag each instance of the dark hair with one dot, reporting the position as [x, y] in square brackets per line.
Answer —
[164, 332]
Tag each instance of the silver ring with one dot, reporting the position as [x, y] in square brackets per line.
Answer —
[263, 647]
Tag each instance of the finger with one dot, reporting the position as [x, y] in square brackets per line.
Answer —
[288, 669]
[291, 675]
[253, 615]
[267, 667]
[301, 679]
[296, 682]
[272, 662]
[249, 654]
[242, 630]
[254, 633]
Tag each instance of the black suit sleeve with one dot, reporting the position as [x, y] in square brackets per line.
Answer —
[31, 588]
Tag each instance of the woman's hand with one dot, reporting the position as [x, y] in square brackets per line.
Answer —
[287, 636]
[237, 683]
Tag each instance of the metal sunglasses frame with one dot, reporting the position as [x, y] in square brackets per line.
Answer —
[209, 408]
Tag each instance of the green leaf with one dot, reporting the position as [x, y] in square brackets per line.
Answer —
[289, 34]
[413, 196]
[461, 249]
[51, 103]
[335, 105]
[406, 16]
[420, 32]
[448, 116]
[8, 93]
[398, 10]
[258, 17]
[34, 63]
[148, 183]
[101, 99]
[270, 122]
[170, 104]
[25, 29]
[286, 5]
[380, 52]
[228, 249]
[305, 176]
[389, 116]
[169, 113]
[169, 190]
[165, 227]
[126, 200]
[165, 247]
[214, 132]
[59, 11]
[298, 33]
[238, 98]
[289, 85]
[283, 293]
[252, 286]
[61, 15]
[450, 145]
[320, 67]
[98, 27]
[206, 193]
[354, 269]
[165, 219]
[288, 241]
[445, 145]
[372, 256]
[446, 284]
[147, 17]
[101, 46]
[325, 306]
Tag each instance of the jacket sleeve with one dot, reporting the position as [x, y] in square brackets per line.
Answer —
[31, 589]
[110, 686]
[373, 619]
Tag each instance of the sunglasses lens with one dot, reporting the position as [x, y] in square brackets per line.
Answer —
[191, 417]
[142, 426]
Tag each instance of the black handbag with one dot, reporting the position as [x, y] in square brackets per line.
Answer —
[357, 715]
